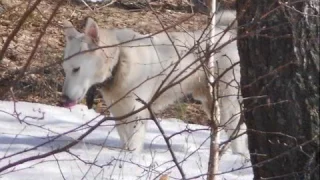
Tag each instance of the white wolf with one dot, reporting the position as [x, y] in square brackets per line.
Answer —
[138, 68]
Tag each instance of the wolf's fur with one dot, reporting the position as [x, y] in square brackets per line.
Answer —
[149, 60]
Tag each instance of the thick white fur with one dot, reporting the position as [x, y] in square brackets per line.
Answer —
[150, 60]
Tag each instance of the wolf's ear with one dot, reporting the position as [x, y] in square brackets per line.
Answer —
[92, 30]
[69, 30]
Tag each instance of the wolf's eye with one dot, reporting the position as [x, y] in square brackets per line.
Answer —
[74, 70]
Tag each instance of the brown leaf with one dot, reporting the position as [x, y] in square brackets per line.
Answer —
[164, 177]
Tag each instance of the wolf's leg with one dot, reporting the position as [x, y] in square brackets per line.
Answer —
[131, 129]
[202, 93]
[240, 144]
[230, 118]
[121, 128]
[136, 130]
[121, 131]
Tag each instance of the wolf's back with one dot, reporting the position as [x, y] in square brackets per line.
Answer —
[226, 17]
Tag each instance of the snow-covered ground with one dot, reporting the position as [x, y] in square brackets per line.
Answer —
[98, 155]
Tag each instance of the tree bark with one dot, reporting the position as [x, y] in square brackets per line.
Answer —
[279, 59]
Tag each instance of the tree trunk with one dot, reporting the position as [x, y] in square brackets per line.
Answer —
[213, 164]
[279, 59]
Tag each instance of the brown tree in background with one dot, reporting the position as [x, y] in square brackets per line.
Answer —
[280, 85]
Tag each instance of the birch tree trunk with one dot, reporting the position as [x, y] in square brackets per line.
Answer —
[213, 164]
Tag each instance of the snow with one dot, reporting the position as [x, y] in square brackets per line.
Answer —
[99, 156]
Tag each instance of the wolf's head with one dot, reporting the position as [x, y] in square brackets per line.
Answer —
[85, 63]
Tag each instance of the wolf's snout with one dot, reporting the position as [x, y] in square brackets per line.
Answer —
[67, 102]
